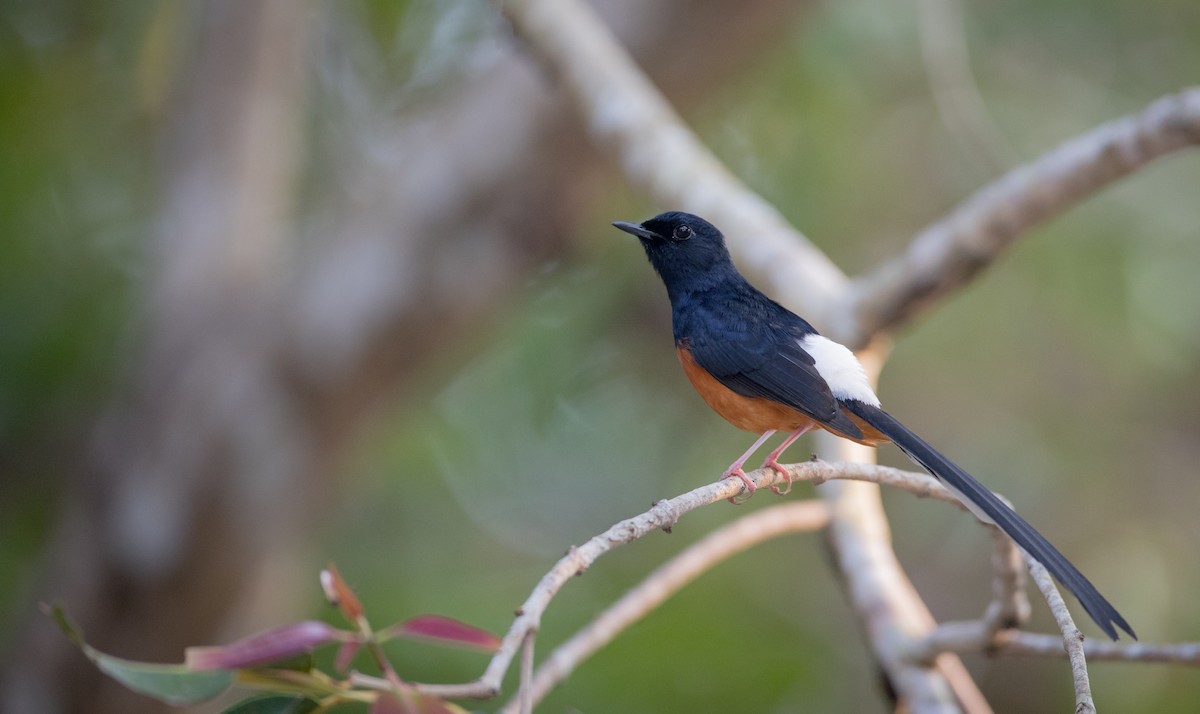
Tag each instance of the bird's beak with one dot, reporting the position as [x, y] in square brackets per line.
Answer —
[637, 230]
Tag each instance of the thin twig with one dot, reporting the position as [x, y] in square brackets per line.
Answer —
[1010, 604]
[665, 514]
[947, 65]
[951, 637]
[668, 579]
[971, 636]
[656, 151]
[1072, 638]
[525, 696]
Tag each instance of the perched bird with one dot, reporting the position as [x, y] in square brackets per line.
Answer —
[765, 369]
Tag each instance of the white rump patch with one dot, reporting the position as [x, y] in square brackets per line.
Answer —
[840, 368]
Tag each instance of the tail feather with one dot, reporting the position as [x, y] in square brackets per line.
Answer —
[989, 507]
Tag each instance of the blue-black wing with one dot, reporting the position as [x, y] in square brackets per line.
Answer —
[753, 347]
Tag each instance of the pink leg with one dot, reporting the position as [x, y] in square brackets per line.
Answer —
[772, 460]
[735, 469]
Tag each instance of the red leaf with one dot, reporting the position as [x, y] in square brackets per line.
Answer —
[388, 703]
[444, 630]
[262, 648]
[339, 594]
[411, 702]
[345, 655]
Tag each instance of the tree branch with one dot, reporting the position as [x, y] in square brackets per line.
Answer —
[1071, 636]
[668, 579]
[1010, 603]
[657, 151]
[664, 515]
[947, 254]
[972, 636]
[246, 388]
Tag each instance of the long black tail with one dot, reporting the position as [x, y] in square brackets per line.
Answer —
[978, 498]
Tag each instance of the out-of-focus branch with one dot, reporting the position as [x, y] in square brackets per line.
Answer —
[1010, 603]
[253, 369]
[947, 254]
[948, 68]
[160, 538]
[668, 579]
[972, 636]
[884, 599]
[525, 698]
[658, 153]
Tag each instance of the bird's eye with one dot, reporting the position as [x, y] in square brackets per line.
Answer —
[683, 232]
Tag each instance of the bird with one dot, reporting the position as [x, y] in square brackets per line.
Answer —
[765, 369]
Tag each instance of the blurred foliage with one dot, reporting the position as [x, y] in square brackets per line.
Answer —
[75, 196]
[1066, 377]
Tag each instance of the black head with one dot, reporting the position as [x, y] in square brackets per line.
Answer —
[687, 251]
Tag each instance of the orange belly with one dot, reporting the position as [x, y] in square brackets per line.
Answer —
[749, 413]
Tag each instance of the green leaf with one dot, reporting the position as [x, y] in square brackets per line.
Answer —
[302, 663]
[287, 681]
[171, 683]
[273, 704]
[65, 623]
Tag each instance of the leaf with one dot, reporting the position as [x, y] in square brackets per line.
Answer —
[263, 648]
[413, 702]
[444, 630]
[273, 704]
[429, 704]
[299, 663]
[65, 623]
[345, 656]
[280, 681]
[388, 703]
[170, 683]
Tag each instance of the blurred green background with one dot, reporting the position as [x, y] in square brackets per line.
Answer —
[1066, 377]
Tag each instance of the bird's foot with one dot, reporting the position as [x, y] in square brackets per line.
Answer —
[739, 472]
[782, 471]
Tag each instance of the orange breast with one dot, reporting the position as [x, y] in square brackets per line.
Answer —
[749, 413]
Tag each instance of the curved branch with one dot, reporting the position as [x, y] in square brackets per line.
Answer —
[947, 254]
[657, 152]
[667, 580]
[662, 516]
[1072, 638]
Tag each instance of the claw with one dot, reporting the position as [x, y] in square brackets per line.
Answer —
[779, 469]
[772, 460]
[739, 472]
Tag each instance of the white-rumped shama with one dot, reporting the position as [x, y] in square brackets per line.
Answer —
[765, 369]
